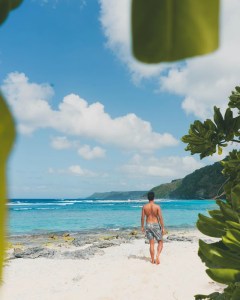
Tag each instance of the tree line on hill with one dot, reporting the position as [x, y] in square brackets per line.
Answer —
[204, 183]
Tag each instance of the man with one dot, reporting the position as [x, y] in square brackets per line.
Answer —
[154, 226]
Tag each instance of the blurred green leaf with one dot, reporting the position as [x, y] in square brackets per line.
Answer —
[224, 275]
[169, 30]
[6, 6]
[7, 135]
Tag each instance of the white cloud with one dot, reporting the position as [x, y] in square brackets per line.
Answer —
[61, 142]
[29, 102]
[78, 171]
[202, 82]
[167, 167]
[75, 170]
[115, 21]
[88, 153]
[208, 80]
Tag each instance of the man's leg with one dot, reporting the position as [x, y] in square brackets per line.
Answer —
[159, 250]
[152, 250]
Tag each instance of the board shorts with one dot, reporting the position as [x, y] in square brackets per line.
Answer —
[153, 230]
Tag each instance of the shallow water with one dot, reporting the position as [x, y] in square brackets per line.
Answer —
[39, 216]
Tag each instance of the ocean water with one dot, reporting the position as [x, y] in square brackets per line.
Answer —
[34, 216]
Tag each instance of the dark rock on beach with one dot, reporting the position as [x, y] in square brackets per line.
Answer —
[34, 252]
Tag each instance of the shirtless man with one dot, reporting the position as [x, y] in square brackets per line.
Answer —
[153, 213]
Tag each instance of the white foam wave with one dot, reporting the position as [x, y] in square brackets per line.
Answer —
[39, 204]
[22, 208]
[120, 201]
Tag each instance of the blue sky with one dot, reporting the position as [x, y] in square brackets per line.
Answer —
[91, 118]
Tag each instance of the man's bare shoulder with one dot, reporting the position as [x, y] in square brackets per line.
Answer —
[157, 207]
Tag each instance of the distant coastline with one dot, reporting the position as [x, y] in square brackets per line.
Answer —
[204, 183]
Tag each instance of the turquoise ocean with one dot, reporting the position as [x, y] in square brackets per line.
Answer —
[36, 216]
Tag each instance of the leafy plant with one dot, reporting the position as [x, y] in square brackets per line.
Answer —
[223, 257]
[6, 6]
[168, 30]
[7, 136]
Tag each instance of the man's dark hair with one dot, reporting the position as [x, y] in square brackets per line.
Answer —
[151, 196]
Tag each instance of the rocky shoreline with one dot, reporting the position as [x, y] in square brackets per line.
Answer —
[81, 245]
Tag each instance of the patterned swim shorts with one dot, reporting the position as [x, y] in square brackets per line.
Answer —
[153, 230]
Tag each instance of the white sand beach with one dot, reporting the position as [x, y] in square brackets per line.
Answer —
[122, 272]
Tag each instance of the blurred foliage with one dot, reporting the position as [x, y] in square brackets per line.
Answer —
[169, 30]
[6, 6]
[7, 136]
[223, 257]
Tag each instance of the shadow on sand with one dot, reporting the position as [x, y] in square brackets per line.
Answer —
[139, 257]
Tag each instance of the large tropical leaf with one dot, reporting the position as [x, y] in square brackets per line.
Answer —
[224, 275]
[7, 134]
[169, 30]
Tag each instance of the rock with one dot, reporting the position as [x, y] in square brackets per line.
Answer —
[66, 234]
[179, 238]
[34, 252]
[134, 232]
[53, 236]
[107, 238]
[83, 254]
[107, 244]
[79, 243]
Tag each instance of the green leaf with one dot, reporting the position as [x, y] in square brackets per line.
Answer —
[15, 3]
[225, 276]
[231, 244]
[209, 230]
[235, 196]
[219, 257]
[7, 135]
[233, 224]
[169, 30]
[219, 150]
[234, 235]
[4, 10]
[217, 215]
[213, 296]
[236, 294]
[211, 222]
[228, 213]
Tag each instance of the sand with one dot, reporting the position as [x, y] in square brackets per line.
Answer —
[123, 272]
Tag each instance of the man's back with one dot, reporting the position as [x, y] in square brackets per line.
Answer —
[151, 211]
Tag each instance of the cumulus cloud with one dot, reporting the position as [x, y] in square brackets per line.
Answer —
[166, 167]
[61, 142]
[85, 151]
[75, 170]
[78, 171]
[29, 101]
[115, 21]
[75, 116]
[202, 82]
[91, 153]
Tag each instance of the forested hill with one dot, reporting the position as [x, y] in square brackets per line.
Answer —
[163, 191]
[118, 195]
[203, 183]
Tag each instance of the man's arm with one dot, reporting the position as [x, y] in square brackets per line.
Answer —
[161, 219]
[142, 219]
